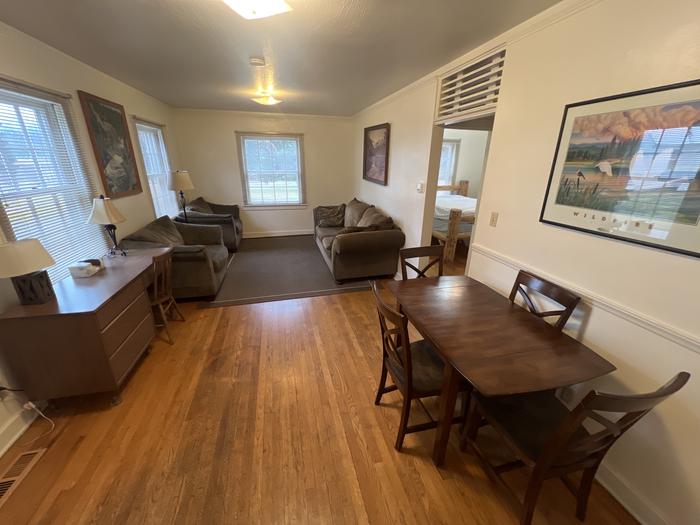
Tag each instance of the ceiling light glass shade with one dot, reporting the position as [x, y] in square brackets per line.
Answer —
[23, 257]
[253, 9]
[266, 100]
[104, 212]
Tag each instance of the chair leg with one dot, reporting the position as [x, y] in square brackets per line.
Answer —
[382, 384]
[466, 399]
[405, 412]
[584, 491]
[471, 429]
[177, 309]
[164, 318]
[534, 487]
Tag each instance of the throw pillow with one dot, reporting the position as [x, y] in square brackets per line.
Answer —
[354, 211]
[331, 216]
[373, 217]
[161, 231]
[199, 205]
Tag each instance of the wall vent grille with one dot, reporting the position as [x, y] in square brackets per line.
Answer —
[17, 471]
[470, 91]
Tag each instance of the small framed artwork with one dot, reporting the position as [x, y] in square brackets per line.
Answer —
[376, 154]
[111, 143]
[627, 167]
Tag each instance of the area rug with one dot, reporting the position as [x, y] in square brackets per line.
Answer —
[279, 268]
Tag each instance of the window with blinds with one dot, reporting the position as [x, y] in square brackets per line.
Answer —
[471, 91]
[272, 168]
[45, 192]
[155, 159]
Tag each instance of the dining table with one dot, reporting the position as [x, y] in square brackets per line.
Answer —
[498, 347]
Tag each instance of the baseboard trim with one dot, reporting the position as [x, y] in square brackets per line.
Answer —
[11, 431]
[279, 233]
[644, 511]
[671, 333]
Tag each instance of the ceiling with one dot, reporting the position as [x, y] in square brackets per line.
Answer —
[326, 57]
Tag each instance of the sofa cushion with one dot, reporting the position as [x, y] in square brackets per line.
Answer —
[322, 232]
[218, 255]
[354, 211]
[331, 216]
[161, 231]
[199, 205]
[373, 217]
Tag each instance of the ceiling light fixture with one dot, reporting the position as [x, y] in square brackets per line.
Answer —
[254, 9]
[266, 99]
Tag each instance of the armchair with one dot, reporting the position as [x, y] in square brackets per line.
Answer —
[228, 217]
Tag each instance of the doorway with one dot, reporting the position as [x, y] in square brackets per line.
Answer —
[463, 150]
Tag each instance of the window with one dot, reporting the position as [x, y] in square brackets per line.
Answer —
[448, 162]
[45, 192]
[272, 169]
[155, 158]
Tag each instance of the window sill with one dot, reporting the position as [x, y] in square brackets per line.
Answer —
[274, 207]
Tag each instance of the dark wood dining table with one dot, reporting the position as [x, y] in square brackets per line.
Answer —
[498, 347]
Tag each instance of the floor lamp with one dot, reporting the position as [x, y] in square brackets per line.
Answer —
[181, 182]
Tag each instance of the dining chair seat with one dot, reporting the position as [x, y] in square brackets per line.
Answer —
[427, 369]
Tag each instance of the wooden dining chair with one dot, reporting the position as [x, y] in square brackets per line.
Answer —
[526, 282]
[416, 373]
[161, 292]
[435, 254]
[551, 441]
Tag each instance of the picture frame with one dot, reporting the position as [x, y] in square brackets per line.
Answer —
[375, 156]
[627, 167]
[111, 143]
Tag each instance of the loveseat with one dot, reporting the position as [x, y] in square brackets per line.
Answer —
[227, 216]
[357, 240]
[200, 257]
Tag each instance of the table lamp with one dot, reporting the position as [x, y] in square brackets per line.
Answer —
[104, 212]
[180, 181]
[24, 261]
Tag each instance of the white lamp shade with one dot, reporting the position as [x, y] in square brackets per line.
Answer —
[180, 181]
[105, 212]
[22, 257]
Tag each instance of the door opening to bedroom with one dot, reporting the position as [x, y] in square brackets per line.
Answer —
[458, 186]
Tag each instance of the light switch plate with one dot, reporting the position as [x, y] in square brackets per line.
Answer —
[494, 219]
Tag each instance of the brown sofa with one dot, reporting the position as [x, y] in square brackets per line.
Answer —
[200, 258]
[357, 240]
[227, 216]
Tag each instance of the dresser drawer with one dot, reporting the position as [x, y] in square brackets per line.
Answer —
[116, 305]
[120, 328]
[126, 355]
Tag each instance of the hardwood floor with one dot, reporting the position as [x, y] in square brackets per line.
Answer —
[262, 414]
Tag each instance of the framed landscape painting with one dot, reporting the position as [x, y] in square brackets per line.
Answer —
[376, 154]
[628, 167]
[111, 143]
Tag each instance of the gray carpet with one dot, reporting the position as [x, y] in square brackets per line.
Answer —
[278, 268]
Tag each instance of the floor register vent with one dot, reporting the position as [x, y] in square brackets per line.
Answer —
[16, 472]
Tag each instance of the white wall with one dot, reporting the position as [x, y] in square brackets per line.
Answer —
[471, 156]
[206, 143]
[640, 305]
[25, 58]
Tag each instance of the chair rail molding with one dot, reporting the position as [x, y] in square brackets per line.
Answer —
[669, 332]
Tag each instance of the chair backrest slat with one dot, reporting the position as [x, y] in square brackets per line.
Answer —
[527, 282]
[162, 276]
[436, 255]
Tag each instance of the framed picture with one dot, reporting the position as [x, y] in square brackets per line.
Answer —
[627, 167]
[376, 154]
[111, 143]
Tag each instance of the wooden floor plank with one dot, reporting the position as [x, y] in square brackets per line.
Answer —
[262, 414]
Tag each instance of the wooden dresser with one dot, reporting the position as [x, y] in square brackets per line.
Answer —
[87, 339]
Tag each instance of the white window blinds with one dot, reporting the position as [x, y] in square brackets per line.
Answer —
[45, 192]
[272, 167]
[155, 158]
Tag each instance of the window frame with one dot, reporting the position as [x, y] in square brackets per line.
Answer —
[161, 128]
[299, 137]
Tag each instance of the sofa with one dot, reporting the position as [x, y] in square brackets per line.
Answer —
[227, 216]
[357, 240]
[200, 258]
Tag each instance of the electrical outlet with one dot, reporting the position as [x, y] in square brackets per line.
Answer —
[494, 219]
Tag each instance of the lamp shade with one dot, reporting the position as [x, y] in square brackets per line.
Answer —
[181, 181]
[105, 212]
[23, 257]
